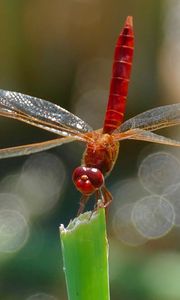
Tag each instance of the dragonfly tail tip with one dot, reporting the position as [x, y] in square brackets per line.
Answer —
[129, 21]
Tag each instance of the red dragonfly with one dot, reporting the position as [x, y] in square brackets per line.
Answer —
[101, 145]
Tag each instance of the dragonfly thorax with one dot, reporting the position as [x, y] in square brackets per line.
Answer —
[101, 153]
[87, 180]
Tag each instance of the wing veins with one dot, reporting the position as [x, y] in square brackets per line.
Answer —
[154, 119]
[41, 110]
[57, 129]
[147, 136]
[35, 147]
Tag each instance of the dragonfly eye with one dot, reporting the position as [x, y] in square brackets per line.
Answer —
[87, 180]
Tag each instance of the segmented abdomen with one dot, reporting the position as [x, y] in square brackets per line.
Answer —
[120, 78]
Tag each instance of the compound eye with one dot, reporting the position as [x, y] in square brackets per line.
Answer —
[96, 177]
[87, 180]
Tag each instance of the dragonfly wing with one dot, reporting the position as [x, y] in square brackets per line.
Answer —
[153, 119]
[34, 148]
[145, 135]
[40, 113]
[57, 129]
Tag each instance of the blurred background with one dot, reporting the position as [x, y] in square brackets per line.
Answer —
[62, 51]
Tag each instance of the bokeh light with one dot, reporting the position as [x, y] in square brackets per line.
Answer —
[147, 206]
[159, 171]
[14, 231]
[36, 188]
[127, 191]
[41, 182]
[11, 201]
[153, 216]
[90, 93]
[93, 97]
[41, 296]
[123, 227]
[173, 195]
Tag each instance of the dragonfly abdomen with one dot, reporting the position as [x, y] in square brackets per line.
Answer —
[120, 78]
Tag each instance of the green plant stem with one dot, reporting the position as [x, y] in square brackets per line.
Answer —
[85, 256]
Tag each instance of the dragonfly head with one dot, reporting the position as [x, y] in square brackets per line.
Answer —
[87, 180]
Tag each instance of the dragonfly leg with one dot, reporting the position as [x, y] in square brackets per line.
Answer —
[107, 197]
[99, 201]
[82, 204]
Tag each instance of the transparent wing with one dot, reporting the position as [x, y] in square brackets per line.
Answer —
[34, 148]
[148, 136]
[41, 113]
[153, 119]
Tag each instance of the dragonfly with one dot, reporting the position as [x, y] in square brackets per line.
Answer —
[102, 145]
